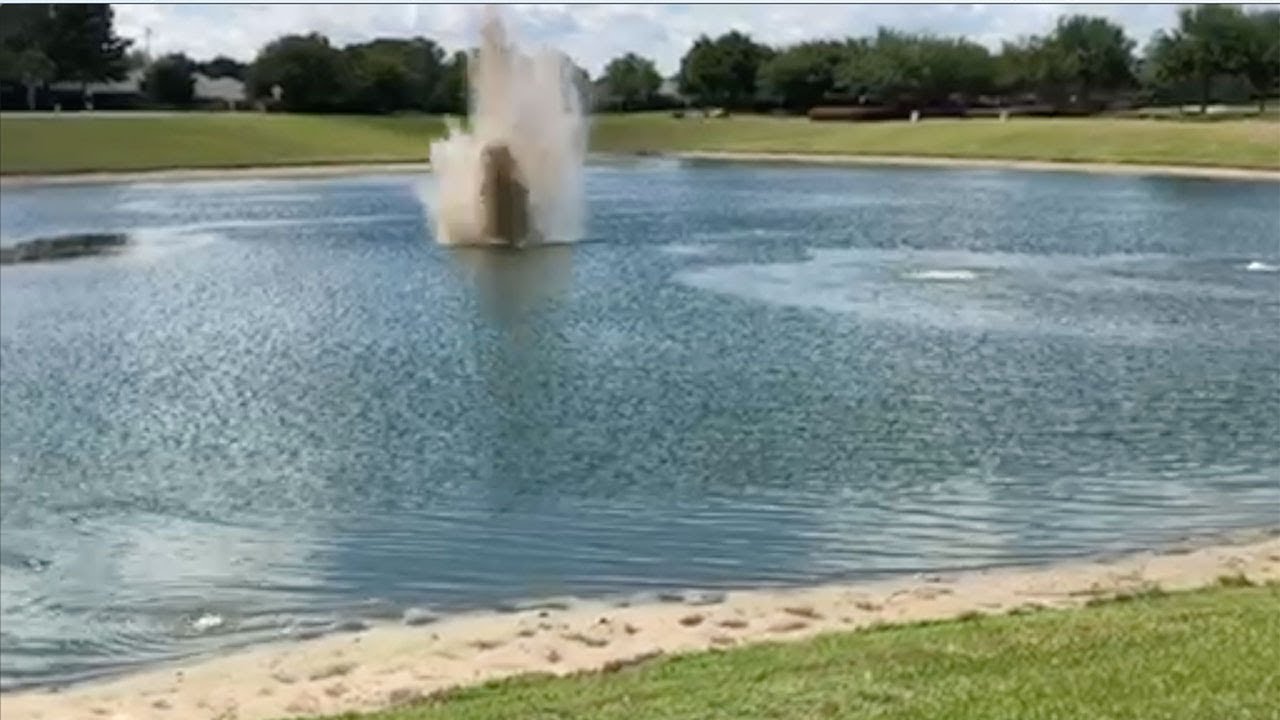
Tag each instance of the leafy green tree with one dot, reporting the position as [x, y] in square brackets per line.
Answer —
[722, 71]
[1093, 53]
[312, 74]
[452, 96]
[393, 74]
[1262, 54]
[223, 66]
[580, 81]
[23, 26]
[29, 67]
[170, 80]
[632, 82]
[802, 75]
[1210, 40]
[136, 60]
[82, 43]
[956, 66]
[908, 69]
[381, 83]
[22, 56]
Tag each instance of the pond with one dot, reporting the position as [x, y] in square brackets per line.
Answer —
[282, 408]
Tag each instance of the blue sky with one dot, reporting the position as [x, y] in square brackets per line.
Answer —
[592, 34]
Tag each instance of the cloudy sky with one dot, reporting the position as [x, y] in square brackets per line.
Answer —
[592, 34]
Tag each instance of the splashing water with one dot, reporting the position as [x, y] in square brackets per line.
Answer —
[529, 105]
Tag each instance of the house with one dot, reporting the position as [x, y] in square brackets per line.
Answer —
[125, 94]
[213, 93]
[670, 88]
[222, 92]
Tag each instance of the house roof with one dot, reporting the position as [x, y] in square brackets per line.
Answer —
[206, 88]
[131, 83]
[223, 88]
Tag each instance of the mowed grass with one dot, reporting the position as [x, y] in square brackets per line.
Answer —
[78, 144]
[1200, 656]
[1240, 143]
[202, 140]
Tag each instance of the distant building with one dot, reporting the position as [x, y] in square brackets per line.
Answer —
[223, 92]
[227, 91]
[670, 88]
[109, 95]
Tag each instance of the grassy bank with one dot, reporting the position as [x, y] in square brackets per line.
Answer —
[204, 140]
[79, 144]
[1245, 144]
[1204, 654]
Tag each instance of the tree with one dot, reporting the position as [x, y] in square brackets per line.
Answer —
[632, 82]
[1210, 40]
[802, 75]
[393, 74]
[451, 96]
[312, 74]
[722, 71]
[956, 66]
[1094, 53]
[81, 42]
[30, 67]
[1262, 54]
[223, 66]
[170, 80]
[920, 70]
[136, 60]
[381, 83]
[580, 81]
[22, 56]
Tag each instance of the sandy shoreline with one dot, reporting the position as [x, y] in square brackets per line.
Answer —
[341, 169]
[389, 665]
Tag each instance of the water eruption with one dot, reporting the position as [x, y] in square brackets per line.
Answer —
[515, 175]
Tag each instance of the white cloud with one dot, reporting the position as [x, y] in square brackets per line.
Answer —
[592, 34]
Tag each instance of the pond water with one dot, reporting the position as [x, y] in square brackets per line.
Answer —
[285, 409]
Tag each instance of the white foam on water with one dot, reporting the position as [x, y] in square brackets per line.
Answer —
[876, 286]
[207, 622]
[531, 104]
[943, 275]
[1257, 266]
[686, 250]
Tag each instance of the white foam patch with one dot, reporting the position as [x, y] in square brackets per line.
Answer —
[686, 250]
[1016, 295]
[1257, 266]
[942, 275]
[207, 622]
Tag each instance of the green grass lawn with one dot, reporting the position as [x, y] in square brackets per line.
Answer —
[1201, 655]
[1241, 143]
[51, 145]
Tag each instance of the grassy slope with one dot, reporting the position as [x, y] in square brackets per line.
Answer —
[1235, 143]
[1202, 655]
[210, 140]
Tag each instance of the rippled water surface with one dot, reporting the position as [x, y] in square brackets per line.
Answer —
[285, 409]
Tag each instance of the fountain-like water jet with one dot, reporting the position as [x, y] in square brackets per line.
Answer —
[515, 176]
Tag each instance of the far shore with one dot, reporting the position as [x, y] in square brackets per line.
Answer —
[392, 664]
[917, 161]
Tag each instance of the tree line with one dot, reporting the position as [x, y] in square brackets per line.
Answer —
[1082, 62]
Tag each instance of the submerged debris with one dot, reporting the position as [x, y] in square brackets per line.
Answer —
[62, 247]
